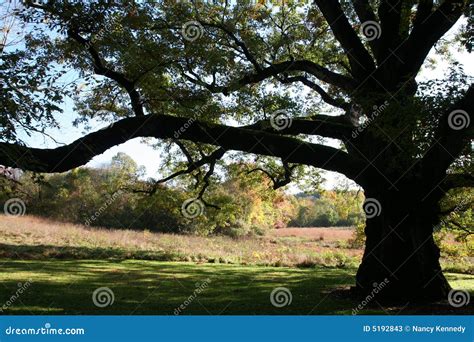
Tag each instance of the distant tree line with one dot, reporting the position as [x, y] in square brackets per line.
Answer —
[328, 209]
[116, 195]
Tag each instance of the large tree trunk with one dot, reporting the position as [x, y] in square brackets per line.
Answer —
[400, 250]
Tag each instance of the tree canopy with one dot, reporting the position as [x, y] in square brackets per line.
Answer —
[226, 75]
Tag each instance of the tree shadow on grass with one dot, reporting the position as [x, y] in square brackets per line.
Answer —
[64, 286]
[44, 252]
[60, 286]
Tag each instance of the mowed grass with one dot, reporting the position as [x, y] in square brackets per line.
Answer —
[159, 288]
[151, 287]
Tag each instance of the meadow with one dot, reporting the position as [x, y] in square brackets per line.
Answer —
[60, 265]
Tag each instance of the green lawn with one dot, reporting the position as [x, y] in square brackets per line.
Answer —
[154, 287]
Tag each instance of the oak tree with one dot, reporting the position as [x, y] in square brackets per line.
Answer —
[217, 78]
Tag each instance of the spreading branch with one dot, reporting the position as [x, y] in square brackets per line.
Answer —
[448, 143]
[360, 60]
[427, 32]
[390, 12]
[337, 127]
[193, 165]
[365, 13]
[423, 11]
[324, 95]
[101, 69]
[318, 71]
[79, 152]
[278, 180]
[245, 50]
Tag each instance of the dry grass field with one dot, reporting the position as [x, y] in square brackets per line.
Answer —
[31, 237]
[326, 234]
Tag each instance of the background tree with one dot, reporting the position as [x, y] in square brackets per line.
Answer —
[113, 196]
[229, 78]
[329, 208]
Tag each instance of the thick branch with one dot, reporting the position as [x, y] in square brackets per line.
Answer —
[365, 13]
[423, 11]
[455, 131]
[336, 127]
[426, 33]
[390, 16]
[79, 152]
[359, 58]
[364, 10]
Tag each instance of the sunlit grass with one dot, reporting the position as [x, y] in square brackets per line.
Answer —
[152, 287]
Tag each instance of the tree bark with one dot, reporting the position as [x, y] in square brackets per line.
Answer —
[400, 250]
